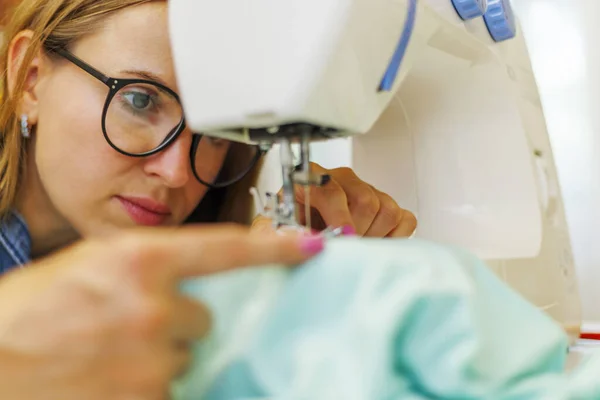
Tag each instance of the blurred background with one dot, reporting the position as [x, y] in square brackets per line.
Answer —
[564, 41]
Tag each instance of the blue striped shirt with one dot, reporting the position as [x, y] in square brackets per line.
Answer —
[15, 242]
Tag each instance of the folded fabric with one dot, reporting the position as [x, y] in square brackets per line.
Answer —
[377, 319]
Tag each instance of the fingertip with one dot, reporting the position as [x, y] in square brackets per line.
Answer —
[312, 245]
[348, 230]
[296, 247]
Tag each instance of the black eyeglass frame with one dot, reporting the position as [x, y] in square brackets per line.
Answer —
[116, 84]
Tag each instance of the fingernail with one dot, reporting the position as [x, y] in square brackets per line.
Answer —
[312, 244]
[348, 230]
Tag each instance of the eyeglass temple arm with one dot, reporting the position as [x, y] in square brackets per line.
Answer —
[83, 65]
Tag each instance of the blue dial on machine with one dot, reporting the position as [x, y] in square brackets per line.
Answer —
[470, 9]
[500, 20]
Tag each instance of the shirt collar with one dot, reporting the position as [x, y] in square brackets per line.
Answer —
[15, 238]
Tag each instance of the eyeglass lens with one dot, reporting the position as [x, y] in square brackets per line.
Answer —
[142, 116]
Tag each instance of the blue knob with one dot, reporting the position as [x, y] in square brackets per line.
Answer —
[469, 9]
[500, 20]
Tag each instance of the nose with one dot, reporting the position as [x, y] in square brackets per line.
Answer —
[172, 165]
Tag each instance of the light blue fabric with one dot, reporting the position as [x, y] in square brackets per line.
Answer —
[376, 320]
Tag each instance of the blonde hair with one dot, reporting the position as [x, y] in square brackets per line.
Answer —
[58, 24]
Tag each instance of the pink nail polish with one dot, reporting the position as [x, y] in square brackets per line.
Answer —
[348, 231]
[313, 244]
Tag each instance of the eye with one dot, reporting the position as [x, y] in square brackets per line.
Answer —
[138, 100]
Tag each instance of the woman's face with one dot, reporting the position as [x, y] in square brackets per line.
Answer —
[88, 184]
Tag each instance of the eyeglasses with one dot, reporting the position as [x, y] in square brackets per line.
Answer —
[142, 117]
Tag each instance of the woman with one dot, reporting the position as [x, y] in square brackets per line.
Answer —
[95, 151]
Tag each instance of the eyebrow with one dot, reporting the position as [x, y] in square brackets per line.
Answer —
[146, 75]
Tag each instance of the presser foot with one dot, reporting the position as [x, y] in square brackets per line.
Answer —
[283, 220]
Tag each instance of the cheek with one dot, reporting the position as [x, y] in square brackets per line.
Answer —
[77, 168]
[70, 144]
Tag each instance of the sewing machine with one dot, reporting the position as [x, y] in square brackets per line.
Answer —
[432, 101]
[289, 72]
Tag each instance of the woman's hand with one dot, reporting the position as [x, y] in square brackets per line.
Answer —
[105, 320]
[347, 201]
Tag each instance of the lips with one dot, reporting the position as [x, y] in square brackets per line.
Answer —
[145, 211]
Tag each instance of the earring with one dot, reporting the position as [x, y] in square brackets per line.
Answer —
[25, 131]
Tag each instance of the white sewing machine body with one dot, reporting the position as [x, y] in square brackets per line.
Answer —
[276, 63]
[456, 133]
[464, 145]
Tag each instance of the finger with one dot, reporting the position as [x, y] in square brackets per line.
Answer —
[388, 218]
[174, 364]
[329, 200]
[201, 250]
[189, 320]
[182, 361]
[151, 377]
[263, 226]
[391, 220]
[363, 200]
[407, 227]
[174, 360]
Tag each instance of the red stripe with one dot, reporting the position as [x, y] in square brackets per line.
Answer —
[590, 336]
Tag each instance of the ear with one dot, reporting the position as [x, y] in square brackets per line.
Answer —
[18, 49]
